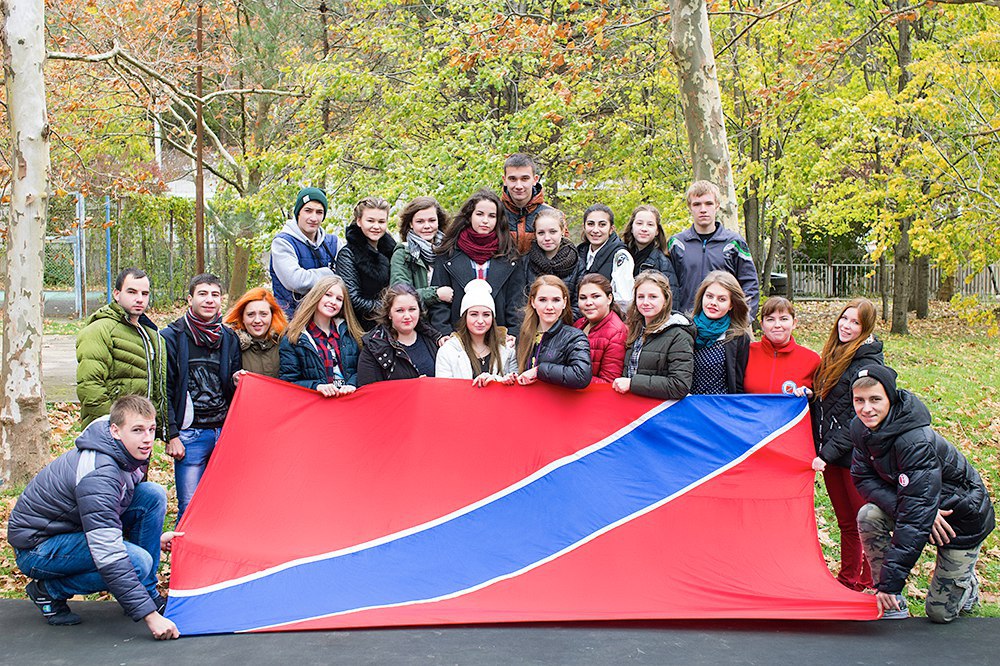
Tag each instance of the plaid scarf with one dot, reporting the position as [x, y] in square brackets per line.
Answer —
[204, 333]
[329, 351]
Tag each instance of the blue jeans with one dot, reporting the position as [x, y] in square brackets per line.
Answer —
[198, 446]
[64, 561]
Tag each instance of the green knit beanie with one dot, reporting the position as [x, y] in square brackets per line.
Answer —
[307, 194]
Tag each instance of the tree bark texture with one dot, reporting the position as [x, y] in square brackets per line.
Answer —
[691, 48]
[24, 428]
[922, 287]
[901, 280]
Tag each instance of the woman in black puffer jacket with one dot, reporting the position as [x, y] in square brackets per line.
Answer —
[549, 348]
[402, 345]
[365, 260]
[850, 346]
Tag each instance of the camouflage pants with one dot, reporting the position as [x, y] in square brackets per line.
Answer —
[953, 586]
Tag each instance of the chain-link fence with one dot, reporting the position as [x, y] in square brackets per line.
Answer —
[89, 240]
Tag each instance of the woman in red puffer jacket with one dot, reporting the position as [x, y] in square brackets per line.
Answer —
[602, 322]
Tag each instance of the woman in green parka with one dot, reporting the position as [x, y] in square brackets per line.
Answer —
[421, 225]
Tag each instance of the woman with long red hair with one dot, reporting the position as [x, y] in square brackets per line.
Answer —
[259, 323]
[850, 346]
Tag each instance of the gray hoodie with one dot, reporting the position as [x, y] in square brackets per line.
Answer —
[285, 264]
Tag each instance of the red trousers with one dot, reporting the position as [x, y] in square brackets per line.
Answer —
[855, 572]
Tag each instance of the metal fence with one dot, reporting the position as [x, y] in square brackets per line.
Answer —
[89, 240]
[820, 280]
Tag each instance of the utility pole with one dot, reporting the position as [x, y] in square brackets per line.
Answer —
[199, 177]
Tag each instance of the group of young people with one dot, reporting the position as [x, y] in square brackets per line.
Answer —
[498, 294]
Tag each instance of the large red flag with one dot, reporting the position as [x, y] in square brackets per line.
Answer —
[431, 502]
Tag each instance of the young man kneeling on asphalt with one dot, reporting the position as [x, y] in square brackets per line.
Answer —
[919, 488]
[88, 523]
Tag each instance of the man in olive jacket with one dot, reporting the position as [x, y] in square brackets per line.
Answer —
[119, 352]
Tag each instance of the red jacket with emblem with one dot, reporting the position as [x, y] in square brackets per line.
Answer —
[768, 367]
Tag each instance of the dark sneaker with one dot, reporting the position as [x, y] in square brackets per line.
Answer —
[56, 611]
[161, 603]
[901, 614]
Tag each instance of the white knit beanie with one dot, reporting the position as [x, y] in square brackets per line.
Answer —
[478, 292]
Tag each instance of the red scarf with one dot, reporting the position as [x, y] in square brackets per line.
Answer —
[479, 247]
[522, 236]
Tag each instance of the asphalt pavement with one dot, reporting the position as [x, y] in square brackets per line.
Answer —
[106, 636]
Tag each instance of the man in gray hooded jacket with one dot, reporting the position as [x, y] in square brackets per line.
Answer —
[88, 523]
[302, 253]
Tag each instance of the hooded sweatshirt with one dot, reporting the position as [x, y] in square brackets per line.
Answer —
[292, 278]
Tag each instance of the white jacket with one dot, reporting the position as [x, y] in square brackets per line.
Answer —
[452, 361]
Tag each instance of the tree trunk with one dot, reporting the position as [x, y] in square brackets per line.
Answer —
[24, 428]
[923, 287]
[789, 270]
[947, 289]
[691, 48]
[901, 279]
[241, 265]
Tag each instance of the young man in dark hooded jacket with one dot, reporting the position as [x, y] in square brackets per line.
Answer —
[919, 488]
[88, 522]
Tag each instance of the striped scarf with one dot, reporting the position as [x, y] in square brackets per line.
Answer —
[204, 333]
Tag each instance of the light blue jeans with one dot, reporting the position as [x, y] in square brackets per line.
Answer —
[198, 446]
[64, 561]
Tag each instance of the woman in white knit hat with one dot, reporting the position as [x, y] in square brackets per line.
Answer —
[479, 349]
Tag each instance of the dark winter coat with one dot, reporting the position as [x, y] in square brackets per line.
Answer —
[607, 347]
[505, 277]
[382, 358]
[657, 261]
[563, 357]
[832, 415]
[365, 272]
[694, 258]
[737, 354]
[87, 489]
[177, 339]
[909, 471]
[301, 363]
[115, 357]
[666, 362]
[604, 261]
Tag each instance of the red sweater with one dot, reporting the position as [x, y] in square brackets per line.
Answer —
[769, 368]
[607, 347]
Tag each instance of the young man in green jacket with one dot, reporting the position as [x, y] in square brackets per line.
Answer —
[119, 352]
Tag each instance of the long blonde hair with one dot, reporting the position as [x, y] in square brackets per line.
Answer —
[529, 326]
[635, 321]
[739, 313]
[307, 308]
[837, 355]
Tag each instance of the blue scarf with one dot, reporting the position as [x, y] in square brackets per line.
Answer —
[709, 330]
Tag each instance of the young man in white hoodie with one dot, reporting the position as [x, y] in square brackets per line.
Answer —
[302, 253]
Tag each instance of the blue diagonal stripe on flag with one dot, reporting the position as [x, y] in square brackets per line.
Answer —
[673, 448]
